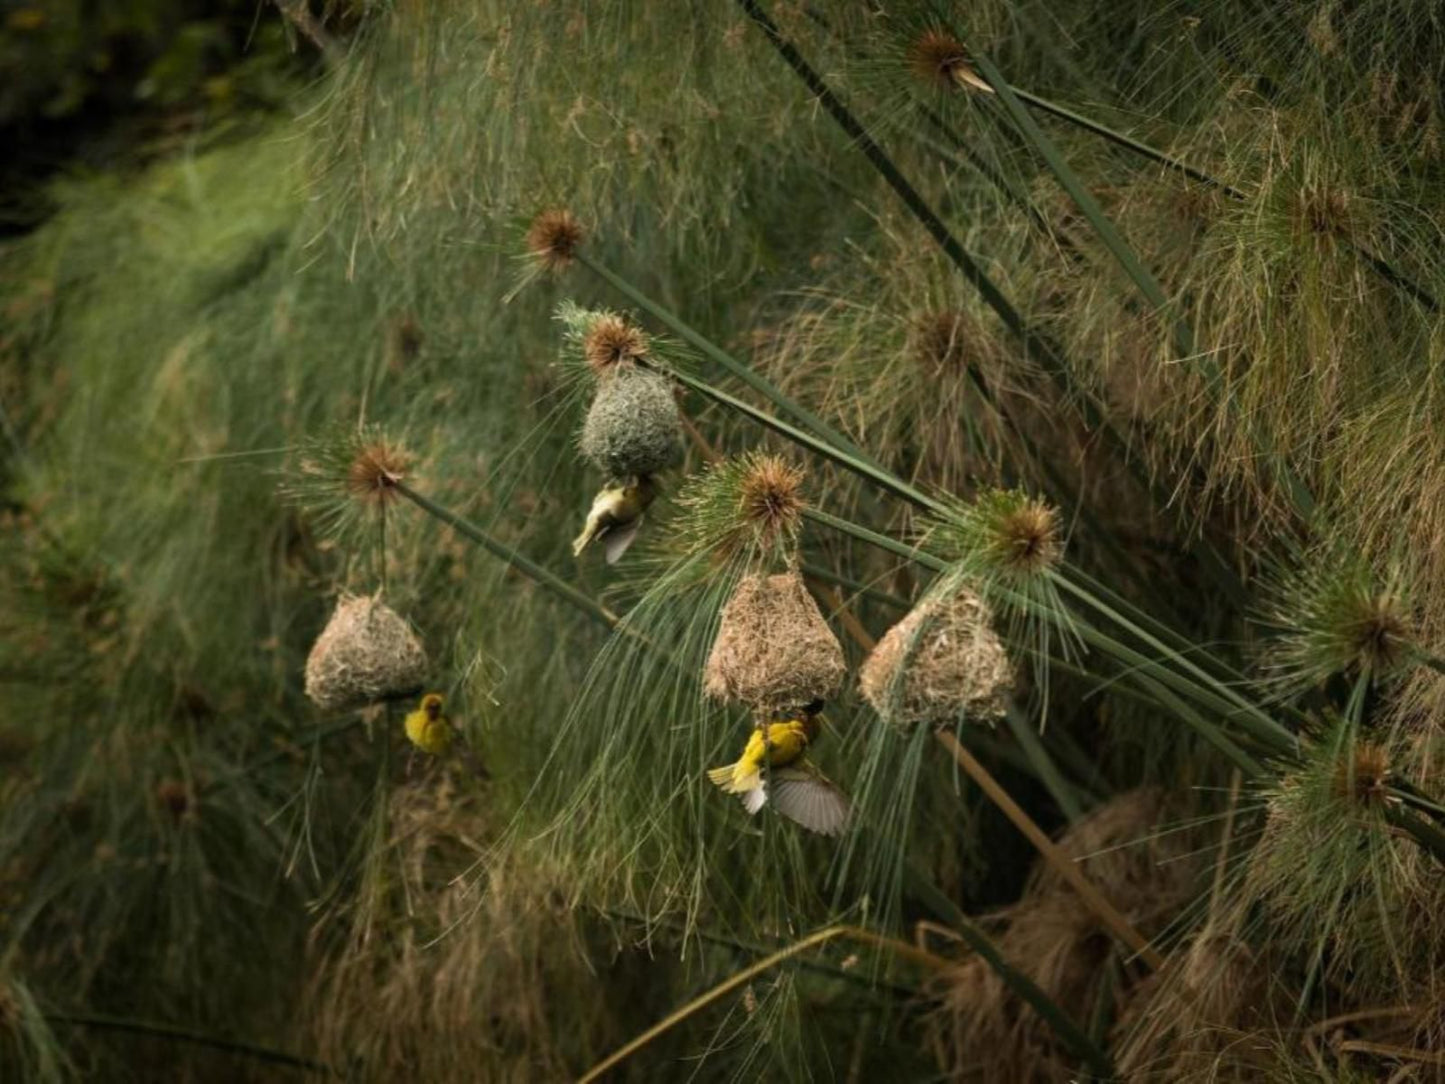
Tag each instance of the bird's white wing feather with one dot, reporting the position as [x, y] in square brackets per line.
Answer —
[755, 799]
[617, 539]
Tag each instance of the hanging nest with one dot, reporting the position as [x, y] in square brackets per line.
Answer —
[774, 651]
[366, 653]
[940, 662]
[633, 427]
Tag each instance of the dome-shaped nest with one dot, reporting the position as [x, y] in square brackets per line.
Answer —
[941, 662]
[774, 651]
[366, 653]
[633, 427]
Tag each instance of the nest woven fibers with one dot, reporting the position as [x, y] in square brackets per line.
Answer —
[774, 650]
[366, 653]
[943, 661]
[633, 426]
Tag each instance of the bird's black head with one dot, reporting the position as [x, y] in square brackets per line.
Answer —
[813, 707]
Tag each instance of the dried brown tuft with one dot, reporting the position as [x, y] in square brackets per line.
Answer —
[512, 992]
[1029, 537]
[940, 662]
[175, 797]
[937, 57]
[983, 1030]
[939, 341]
[373, 474]
[774, 651]
[554, 237]
[771, 496]
[366, 653]
[612, 342]
[1362, 775]
[1323, 211]
[1181, 1020]
[1378, 634]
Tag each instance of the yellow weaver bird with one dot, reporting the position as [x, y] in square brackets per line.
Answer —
[796, 789]
[616, 516]
[427, 727]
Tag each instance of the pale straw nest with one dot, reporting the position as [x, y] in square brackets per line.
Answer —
[366, 653]
[774, 651]
[940, 663]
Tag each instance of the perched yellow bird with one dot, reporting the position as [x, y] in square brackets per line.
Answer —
[616, 516]
[796, 789]
[429, 729]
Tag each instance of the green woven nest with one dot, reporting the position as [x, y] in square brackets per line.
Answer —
[774, 650]
[366, 653]
[941, 662]
[633, 426]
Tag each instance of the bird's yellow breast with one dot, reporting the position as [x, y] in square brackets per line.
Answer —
[431, 734]
[786, 742]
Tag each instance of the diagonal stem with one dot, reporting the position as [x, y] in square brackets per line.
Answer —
[746, 373]
[1092, 898]
[531, 569]
[105, 1022]
[1035, 345]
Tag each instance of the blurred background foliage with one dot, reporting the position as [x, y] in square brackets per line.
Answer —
[102, 86]
[244, 238]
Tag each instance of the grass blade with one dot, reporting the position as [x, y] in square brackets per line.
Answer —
[531, 569]
[1043, 765]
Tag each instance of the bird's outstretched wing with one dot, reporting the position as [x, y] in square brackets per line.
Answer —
[617, 539]
[805, 796]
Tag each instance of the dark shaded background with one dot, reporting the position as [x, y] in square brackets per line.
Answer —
[90, 85]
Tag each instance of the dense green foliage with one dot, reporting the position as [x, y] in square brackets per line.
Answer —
[1171, 410]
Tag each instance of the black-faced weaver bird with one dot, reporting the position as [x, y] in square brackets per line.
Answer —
[432, 731]
[428, 727]
[774, 768]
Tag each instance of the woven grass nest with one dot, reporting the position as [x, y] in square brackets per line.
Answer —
[366, 653]
[633, 426]
[940, 662]
[774, 651]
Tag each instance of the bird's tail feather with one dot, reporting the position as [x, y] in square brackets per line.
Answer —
[721, 776]
[728, 779]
